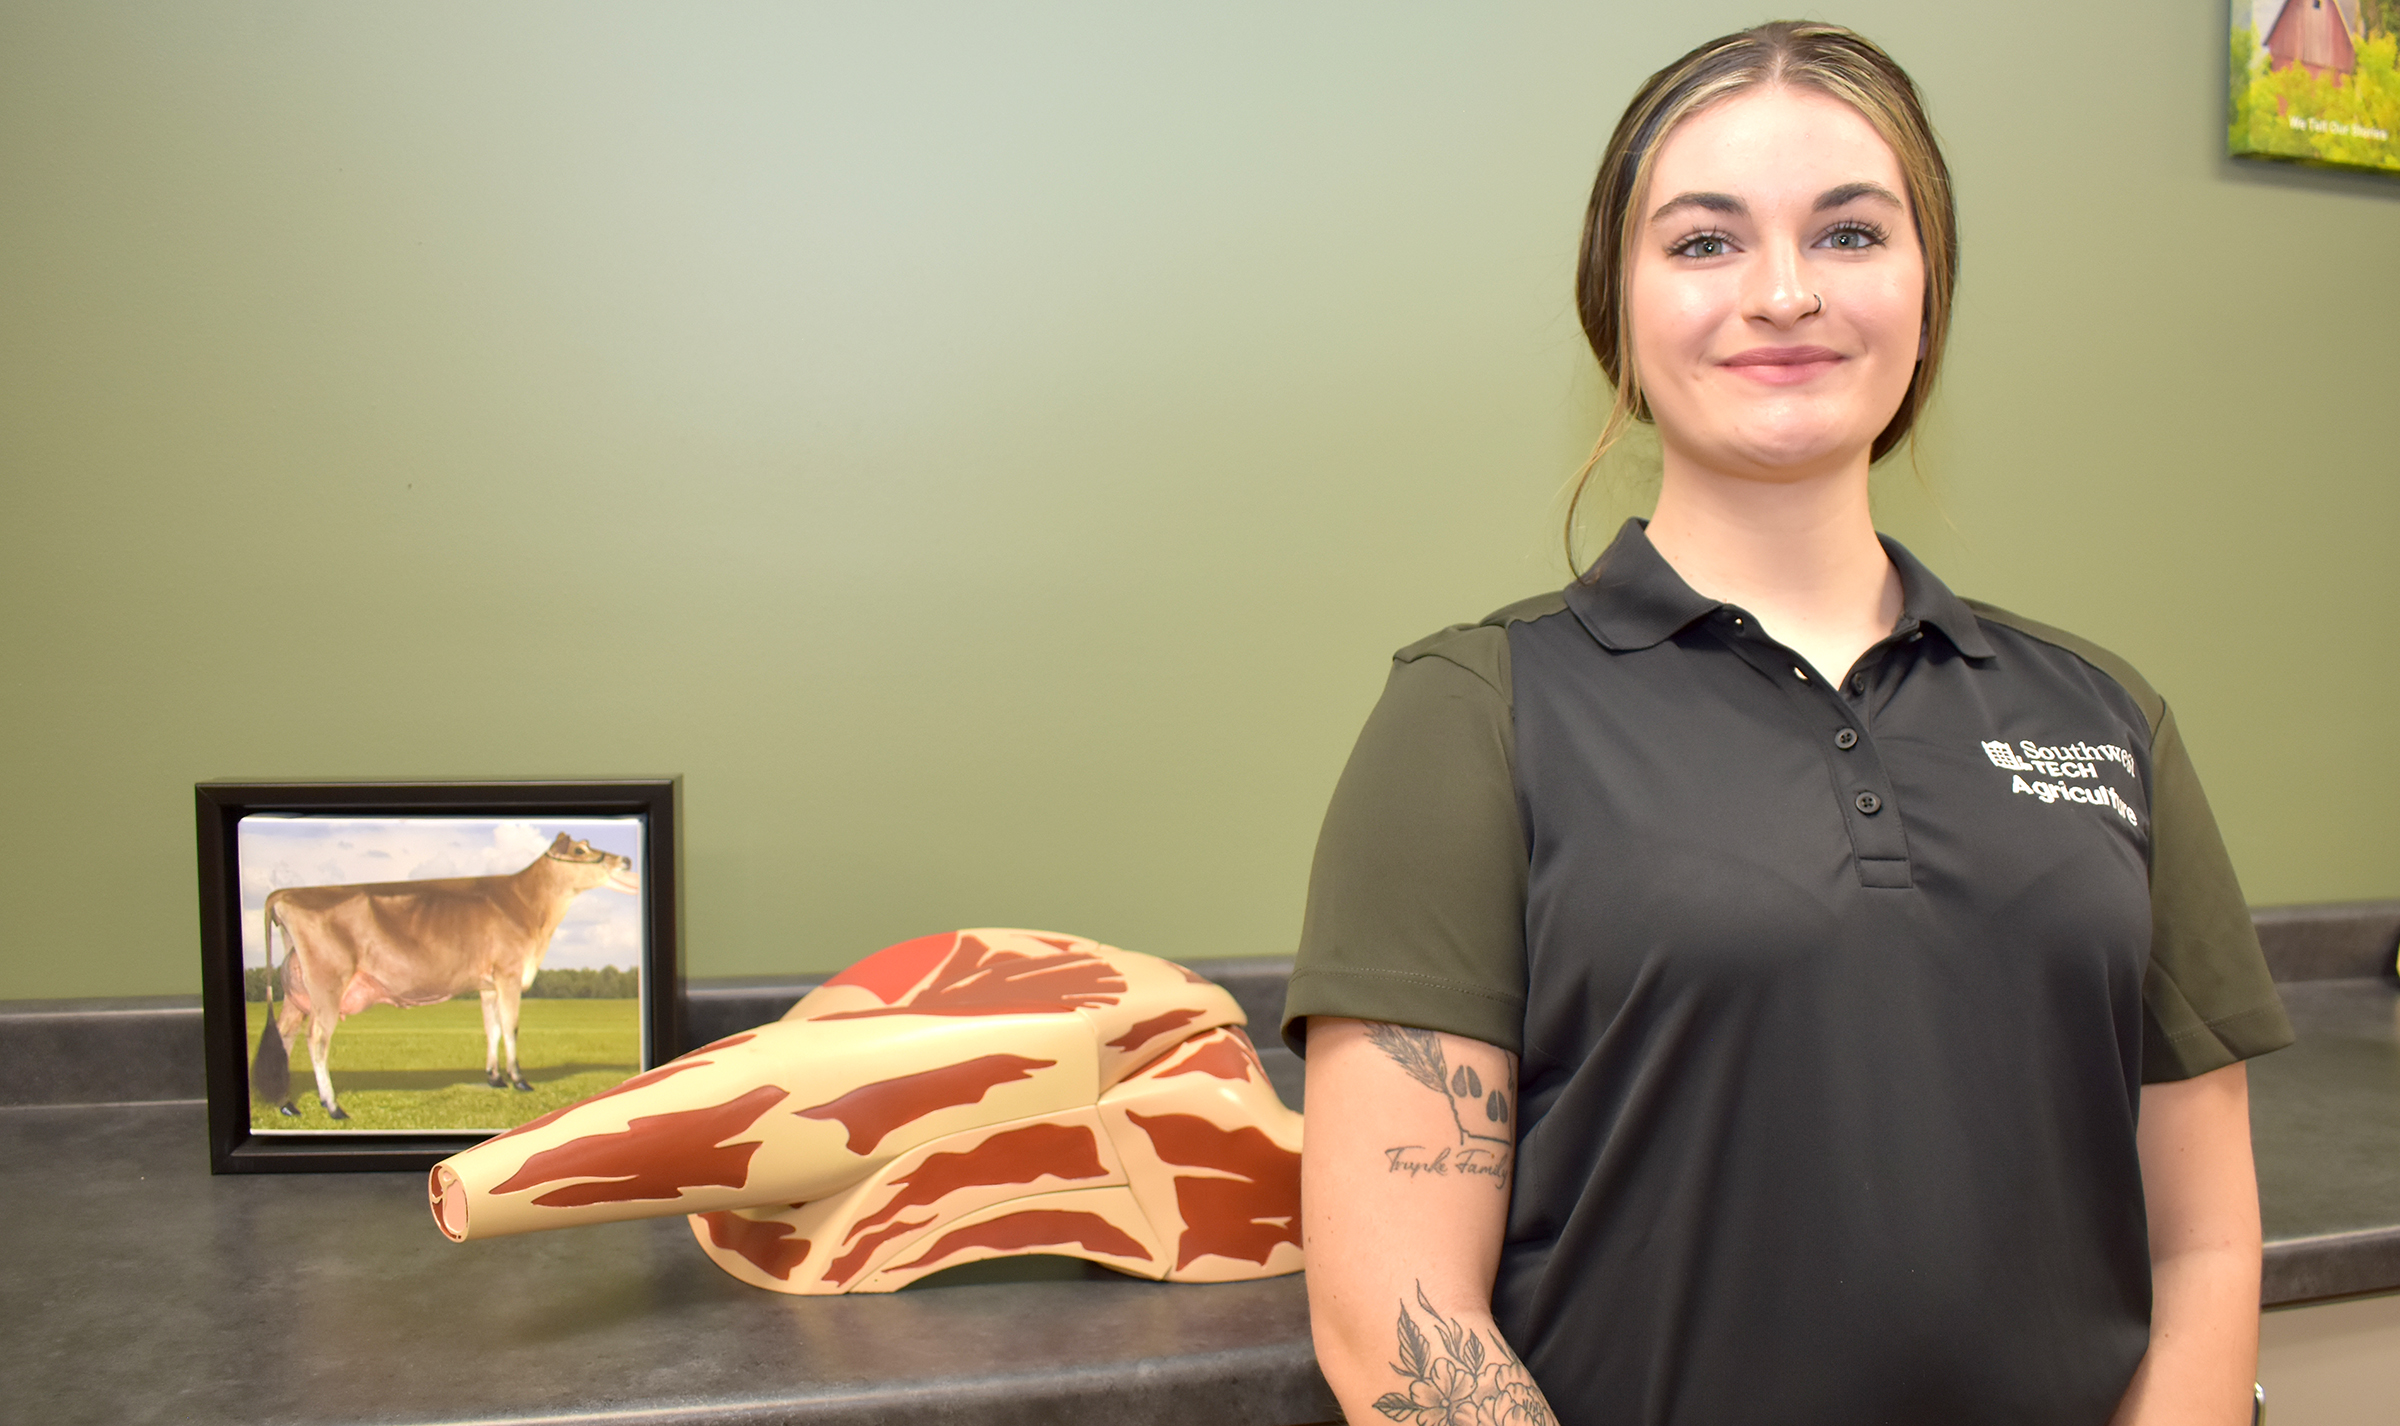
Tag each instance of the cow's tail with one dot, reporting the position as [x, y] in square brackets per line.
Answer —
[271, 1070]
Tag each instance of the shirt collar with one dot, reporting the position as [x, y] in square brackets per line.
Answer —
[1632, 598]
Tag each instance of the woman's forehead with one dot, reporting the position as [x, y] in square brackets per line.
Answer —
[1770, 146]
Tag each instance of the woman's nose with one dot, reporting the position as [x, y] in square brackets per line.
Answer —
[1778, 291]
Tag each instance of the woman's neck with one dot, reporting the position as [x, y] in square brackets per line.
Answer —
[1801, 556]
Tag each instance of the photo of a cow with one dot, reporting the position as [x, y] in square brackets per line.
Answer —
[395, 950]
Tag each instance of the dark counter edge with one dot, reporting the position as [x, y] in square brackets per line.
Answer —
[147, 1049]
[1281, 1380]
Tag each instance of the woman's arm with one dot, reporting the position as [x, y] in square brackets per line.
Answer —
[1404, 1193]
[2202, 1193]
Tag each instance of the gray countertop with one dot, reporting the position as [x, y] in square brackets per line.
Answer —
[141, 1288]
[2325, 1124]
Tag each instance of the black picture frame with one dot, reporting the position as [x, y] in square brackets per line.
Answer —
[221, 805]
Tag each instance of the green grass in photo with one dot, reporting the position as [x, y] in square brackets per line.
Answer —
[421, 1067]
[2347, 119]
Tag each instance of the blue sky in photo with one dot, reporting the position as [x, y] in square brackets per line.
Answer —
[603, 927]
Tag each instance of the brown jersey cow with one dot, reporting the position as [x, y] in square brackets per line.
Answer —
[415, 943]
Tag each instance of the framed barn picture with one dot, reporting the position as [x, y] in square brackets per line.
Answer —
[2313, 81]
[394, 971]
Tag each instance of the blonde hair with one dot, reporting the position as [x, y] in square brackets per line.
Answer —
[1801, 54]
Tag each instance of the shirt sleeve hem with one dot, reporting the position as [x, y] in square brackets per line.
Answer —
[2197, 1049]
[1426, 1002]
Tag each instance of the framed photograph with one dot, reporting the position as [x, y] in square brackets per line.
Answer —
[394, 971]
[2312, 81]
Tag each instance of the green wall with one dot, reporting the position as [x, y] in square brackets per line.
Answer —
[990, 451]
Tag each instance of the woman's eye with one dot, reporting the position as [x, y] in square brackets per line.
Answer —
[1852, 239]
[1704, 245]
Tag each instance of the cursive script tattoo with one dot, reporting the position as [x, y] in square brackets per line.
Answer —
[1464, 1382]
[1420, 1053]
[1415, 1159]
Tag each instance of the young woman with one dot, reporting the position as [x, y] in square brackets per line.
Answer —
[1755, 984]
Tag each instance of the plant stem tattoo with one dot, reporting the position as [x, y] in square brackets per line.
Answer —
[1420, 1053]
[1465, 1383]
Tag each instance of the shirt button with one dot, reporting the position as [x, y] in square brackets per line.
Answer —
[1859, 684]
[1869, 803]
[1846, 739]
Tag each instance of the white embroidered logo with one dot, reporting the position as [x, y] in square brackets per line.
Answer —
[2069, 766]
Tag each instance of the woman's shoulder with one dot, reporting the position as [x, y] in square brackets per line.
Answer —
[2106, 661]
[1481, 648]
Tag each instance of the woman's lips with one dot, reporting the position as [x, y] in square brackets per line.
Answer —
[1784, 366]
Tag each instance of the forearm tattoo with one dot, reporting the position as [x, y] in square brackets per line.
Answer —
[1466, 1380]
[1482, 1114]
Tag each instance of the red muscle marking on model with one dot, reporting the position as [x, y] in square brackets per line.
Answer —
[1228, 1219]
[1147, 1030]
[1065, 1151]
[977, 980]
[860, 1251]
[1243, 1217]
[1229, 1058]
[655, 1156]
[769, 1245]
[1061, 942]
[891, 972]
[639, 1081]
[873, 1110]
[725, 1044]
[1193, 976]
[1037, 1228]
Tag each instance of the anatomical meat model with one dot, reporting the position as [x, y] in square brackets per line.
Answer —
[971, 1095]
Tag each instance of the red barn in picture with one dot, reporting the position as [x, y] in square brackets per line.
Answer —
[2319, 35]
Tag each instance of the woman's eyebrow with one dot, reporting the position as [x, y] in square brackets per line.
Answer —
[1724, 203]
[1852, 192]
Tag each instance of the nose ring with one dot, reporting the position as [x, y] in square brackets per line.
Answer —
[1819, 307]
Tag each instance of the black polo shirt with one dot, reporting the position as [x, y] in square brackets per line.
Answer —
[1833, 1002]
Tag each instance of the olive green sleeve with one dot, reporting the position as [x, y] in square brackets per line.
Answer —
[2210, 998]
[1416, 900]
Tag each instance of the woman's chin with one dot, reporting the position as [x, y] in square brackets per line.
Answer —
[1785, 453]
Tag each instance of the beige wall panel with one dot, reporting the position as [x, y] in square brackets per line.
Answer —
[2335, 1364]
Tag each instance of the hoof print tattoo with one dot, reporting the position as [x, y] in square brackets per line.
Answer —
[1420, 1053]
[1462, 1383]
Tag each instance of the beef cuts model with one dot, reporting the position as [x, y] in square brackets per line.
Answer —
[969, 1095]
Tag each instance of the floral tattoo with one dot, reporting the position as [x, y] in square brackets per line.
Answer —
[1462, 1383]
